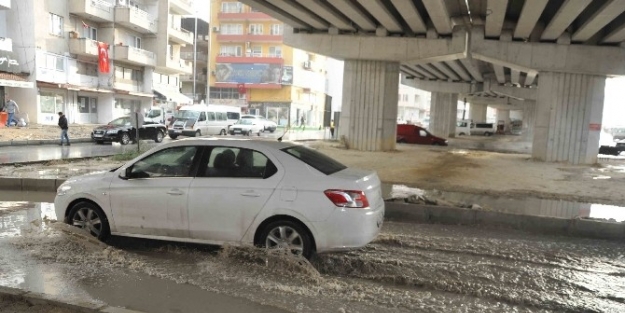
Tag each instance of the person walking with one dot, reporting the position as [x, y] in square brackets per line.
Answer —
[302, 122]
[11, 108]
[63, 125]
[332, 129]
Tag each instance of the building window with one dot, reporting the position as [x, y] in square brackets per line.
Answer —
[224, 93]
[231, 7]
[90, 32]
[56, 25]
[128, 74]
[275, 51]
[53, 62]
[256, 51]
[231, 51]
[276, 29]
[87, 105]
[256, 29]
[50, 102]
[231, 29]
[137, 42]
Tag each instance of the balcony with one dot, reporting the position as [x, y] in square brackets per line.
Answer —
[135, 56]
[260, 58]
[249, 38]
[180, 66]
[137, 19]
[83, 46]
[128, 84]
[5, 4]
[199, 78]
[97, 10]
[244, 16]
[182, 7]
[200, 57]
[180, 36]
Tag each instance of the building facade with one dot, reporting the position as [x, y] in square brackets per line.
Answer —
[97, 60]
[251, 68]
[195, 85]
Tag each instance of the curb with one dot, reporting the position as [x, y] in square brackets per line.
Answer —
[35, 142]
[405, 212]
[30, 184]
[35, 298]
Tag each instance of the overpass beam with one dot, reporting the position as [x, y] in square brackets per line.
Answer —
[568, 117]
[369, 111]
[443, 114]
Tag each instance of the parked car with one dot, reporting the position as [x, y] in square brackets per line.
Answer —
[240, 192]
[267, 124]
[407, 133]
[483, 129]
[609, 145]
[246, 126]
[121, 130]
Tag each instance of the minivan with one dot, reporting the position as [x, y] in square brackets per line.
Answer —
[407, 133]
[199, 120]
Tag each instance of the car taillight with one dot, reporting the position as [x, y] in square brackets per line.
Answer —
[347, 198]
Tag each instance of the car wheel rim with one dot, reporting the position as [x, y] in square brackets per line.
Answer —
[87, 218]
[159, 136]
[286, 239]
[125, 139]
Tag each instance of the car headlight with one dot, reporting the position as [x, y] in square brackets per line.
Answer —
[63, 190]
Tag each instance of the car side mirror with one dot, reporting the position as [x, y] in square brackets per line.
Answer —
[126, 174]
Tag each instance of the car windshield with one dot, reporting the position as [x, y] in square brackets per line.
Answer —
[122, 121]
[245, 121]
[317, 160]
[187, 114]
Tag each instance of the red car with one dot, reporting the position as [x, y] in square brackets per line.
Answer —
[407, 133]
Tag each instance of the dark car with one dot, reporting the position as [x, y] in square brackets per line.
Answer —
[407, 133]
[121, 130]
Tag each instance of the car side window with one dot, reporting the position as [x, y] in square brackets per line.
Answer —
[234, 162]
[202, 117]
[172, 162]
[211, 116]
[422, 133]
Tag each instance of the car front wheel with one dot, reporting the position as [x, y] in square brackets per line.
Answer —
[159, 136]
[91, 218]
[288, 237]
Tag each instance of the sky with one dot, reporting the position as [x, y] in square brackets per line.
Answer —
[202, 7]
[613, 105]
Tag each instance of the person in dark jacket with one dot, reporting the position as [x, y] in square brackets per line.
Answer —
[63, 125]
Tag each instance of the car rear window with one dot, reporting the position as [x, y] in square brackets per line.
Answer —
[317, 160]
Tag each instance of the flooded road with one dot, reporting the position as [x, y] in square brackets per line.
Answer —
[408, 268]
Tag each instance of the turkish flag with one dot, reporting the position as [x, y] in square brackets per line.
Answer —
[103, 57]
[241, 88]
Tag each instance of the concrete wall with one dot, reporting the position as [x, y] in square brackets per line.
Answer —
[443, 114]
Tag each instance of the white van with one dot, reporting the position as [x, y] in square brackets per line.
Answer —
[199, 120]
[463, 128]
[158, 115]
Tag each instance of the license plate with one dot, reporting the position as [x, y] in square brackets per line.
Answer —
[97, 135]
[177, 131]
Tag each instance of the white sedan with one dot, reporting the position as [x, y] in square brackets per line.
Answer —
[271, 194]
[246, 126]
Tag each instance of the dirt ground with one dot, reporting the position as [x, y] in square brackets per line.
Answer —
[439, 168]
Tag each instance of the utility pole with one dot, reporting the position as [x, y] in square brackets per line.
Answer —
[464, 110]
[195, 58]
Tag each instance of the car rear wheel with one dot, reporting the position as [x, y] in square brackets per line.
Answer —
[99, 142]
[125, 139]
[173, 136]
[222, 132]
[91, 218]
[272, 130]
[159, 136]
[288, 237]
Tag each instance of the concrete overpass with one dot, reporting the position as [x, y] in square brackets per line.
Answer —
[550, 56]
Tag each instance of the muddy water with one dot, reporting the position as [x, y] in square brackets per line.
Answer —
[409, 268]
[526, 206]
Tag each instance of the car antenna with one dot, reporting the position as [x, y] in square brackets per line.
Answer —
[286, 130]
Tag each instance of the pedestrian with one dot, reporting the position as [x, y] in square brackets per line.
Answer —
[332, 128]
[63, 125]
[302, 122]
[11, 108]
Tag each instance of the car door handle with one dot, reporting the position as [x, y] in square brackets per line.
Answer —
[175, 192]
[250, 193]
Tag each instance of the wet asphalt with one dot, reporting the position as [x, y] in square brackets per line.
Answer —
[408, 268]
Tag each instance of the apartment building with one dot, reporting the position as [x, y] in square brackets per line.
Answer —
[194, 85]
[251, 67]
[11, 75]
[413, 105]
[96, 60]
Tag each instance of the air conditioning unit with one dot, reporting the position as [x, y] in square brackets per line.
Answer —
[307, 65]
[215, 29]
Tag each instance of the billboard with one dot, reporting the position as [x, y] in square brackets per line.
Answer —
[248, 73]
[287, 75]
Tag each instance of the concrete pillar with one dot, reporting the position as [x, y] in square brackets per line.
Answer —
[477, 112]
[504, 115]
[369, 112]
[568, 117]
[529, 116]
[443, 114]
